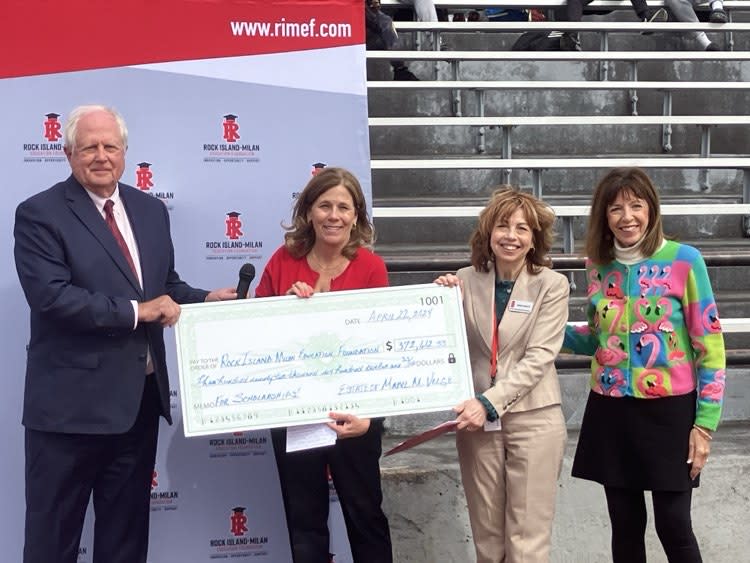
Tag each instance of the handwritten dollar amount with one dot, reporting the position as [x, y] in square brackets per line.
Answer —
[415, 344]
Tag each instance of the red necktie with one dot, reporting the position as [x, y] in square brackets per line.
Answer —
[109, 217]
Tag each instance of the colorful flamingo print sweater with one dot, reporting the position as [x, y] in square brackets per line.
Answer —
[653, 330]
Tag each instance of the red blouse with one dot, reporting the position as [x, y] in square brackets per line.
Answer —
[366, 270]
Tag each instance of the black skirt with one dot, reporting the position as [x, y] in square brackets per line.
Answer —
[636, 443]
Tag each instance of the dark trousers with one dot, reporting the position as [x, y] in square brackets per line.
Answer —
[355, 470]
[627, 513]
[62, 471]
[573, 10]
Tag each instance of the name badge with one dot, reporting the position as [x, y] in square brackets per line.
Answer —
[492, 426]
[518, 306]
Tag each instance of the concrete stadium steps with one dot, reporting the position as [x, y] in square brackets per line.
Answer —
[414, 263]
[474, 186]
[394, 103]
[590, 40]
[695, 70]
[530, 141]
[448, 230]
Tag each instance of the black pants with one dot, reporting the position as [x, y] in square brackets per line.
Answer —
[627, 514]
[573, 10]
[62, 471]
[355, 469]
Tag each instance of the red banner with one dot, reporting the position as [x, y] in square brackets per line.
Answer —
[50, 36]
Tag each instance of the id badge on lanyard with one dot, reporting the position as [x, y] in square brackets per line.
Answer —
[494, 425]
[493, 351]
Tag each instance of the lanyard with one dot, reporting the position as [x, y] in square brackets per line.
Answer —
[493, 356]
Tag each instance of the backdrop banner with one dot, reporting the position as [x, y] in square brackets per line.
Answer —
[231, 107]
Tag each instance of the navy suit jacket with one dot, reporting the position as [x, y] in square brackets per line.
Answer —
[86, 364]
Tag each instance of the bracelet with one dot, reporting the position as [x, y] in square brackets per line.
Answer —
[703, 432]
[492, 415]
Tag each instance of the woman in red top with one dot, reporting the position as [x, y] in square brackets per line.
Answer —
[325, 250]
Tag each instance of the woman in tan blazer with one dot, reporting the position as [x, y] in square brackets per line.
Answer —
[511, 436]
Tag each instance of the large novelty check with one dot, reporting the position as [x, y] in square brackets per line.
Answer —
[285, 361]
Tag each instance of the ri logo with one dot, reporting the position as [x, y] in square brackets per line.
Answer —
[238, 521]
[143, 175]
[154, 481]
[231, 128]
[234, 225]
[52, 127]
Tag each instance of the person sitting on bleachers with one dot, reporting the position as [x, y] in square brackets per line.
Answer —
[573, 12]
[424, 10]
[500, 14]
[683, 11]
[380, 35]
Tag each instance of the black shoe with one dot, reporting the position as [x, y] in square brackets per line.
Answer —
[570, 42]
[403, 73]
[655, 16]
[713, 47]
[718, 16]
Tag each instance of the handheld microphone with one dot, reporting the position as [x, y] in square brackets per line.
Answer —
[247, 274]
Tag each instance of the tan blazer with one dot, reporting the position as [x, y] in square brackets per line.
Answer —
[528, 341]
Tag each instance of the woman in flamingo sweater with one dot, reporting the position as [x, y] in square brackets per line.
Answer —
[657, 370]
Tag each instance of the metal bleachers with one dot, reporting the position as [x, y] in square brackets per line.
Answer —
[486, 116]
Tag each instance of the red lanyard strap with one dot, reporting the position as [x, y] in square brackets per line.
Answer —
[493, 357]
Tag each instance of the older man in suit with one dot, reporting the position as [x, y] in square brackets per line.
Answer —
[96, 264]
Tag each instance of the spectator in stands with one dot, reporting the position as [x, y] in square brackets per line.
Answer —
[573, 12]
[425, 10]
[657, 373]
[683, 11]
[500, 14]
[511, 436]
[380, 35]
[326, 250]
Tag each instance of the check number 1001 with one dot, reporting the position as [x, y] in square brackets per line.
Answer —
[431, 300]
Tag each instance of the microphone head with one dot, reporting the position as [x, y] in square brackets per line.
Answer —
[247, 271]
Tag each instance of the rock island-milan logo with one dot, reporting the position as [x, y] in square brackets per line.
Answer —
[144, 181]
[231, 128]
[231, 148]
[238, 543]
[234, 225]
[52, 127]
[51, 149]
[160, 499]
[143, 176]
[234, 246]
[317, 168]
[238, 521]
